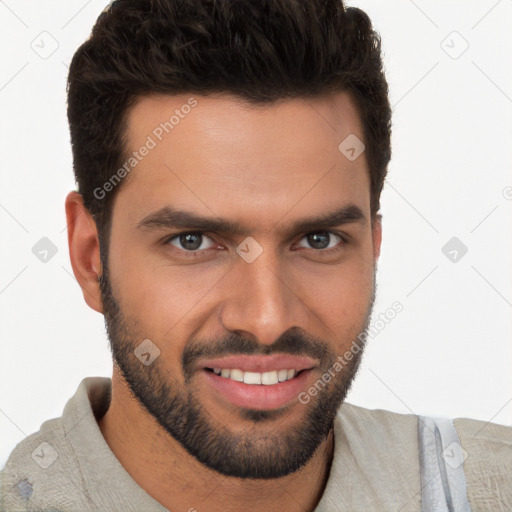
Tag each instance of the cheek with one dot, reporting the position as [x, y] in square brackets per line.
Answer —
[341, 296]
[162, 303]
[344, 305]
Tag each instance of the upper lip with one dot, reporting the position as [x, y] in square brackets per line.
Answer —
[261, 364]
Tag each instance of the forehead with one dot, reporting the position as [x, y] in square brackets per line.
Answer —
[213, 154]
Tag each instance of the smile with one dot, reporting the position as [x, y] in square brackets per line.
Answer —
[254, 390]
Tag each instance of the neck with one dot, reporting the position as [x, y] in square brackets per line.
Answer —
[178, 481]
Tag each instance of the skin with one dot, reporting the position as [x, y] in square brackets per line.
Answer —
[264, 167]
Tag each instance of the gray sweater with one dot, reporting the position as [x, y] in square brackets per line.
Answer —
[68, 466]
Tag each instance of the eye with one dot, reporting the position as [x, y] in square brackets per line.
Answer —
[189, 242]
[322, 240]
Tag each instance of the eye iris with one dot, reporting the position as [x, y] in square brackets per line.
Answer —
[322, 236]
[188, 238]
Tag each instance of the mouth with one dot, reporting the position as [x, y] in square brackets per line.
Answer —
[257, 390]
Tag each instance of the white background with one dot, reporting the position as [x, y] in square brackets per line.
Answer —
[448, 353]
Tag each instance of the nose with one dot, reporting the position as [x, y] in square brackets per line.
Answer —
[260, 299]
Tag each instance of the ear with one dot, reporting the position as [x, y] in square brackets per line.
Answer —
[377, 235]
[84, 249]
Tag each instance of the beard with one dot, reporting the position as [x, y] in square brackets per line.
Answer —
[262, 451]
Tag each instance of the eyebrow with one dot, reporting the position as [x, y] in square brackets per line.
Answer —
[171, 218]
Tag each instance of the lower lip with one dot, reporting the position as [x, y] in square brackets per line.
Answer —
[258, 396]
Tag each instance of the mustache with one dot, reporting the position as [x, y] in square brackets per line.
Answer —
[292, 342]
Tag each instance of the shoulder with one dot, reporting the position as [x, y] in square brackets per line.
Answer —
[487, 452]
[378, 423]
[376, 457]
[380, 438]
[486, 449]
[43, 471]
[36, 471]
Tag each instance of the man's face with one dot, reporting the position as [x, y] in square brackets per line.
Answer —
[271, 296]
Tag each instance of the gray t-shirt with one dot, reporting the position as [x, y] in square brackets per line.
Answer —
[68, 466]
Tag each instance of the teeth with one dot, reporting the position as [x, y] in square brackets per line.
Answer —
[265, 378]
[282, 375]
[269, 378]
[237, 375]
[252, 378]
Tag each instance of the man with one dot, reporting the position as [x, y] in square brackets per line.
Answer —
[230, 158]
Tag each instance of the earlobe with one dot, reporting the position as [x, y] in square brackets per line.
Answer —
[84, 249]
